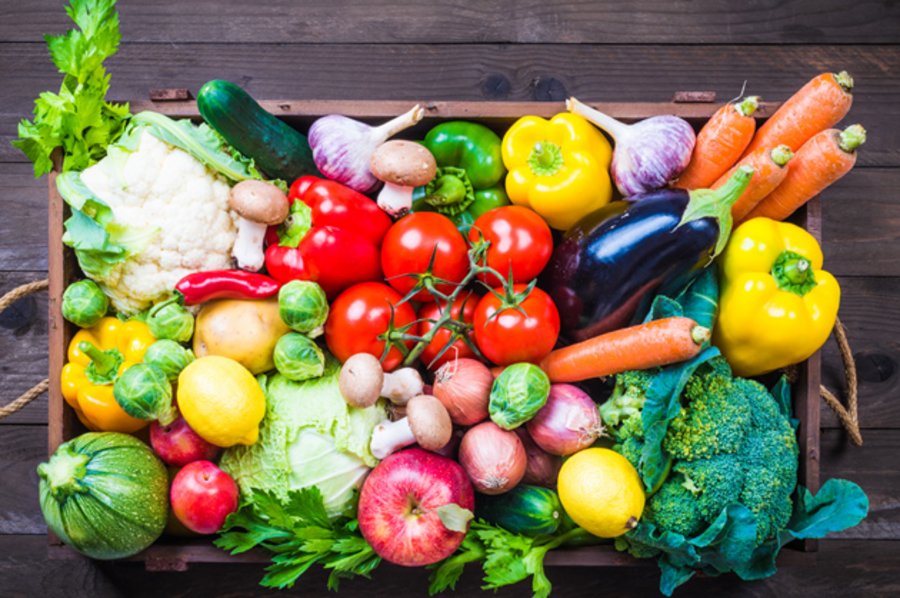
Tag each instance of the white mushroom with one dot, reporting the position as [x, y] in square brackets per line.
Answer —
[402, 166]
[427, 424]
[362, 381]
[259, 205]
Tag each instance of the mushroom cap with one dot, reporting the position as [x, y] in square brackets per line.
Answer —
[361, 379]
[401, 162]
[429, 421]
[259, 201]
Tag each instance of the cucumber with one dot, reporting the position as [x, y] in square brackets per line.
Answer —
[279, 150]
[526, 510]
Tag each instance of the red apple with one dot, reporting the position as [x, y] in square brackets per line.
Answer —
[202, 496]
[178, 444]
[402, 502]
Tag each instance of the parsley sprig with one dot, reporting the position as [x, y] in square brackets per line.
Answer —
[300, 534]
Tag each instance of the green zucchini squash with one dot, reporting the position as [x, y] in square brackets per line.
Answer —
[526, 510]
[105, 494]
[279, 150]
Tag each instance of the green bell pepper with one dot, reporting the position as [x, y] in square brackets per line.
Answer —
[470, 174]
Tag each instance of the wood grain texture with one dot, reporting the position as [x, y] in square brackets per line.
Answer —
[462, 21]
[478, 72]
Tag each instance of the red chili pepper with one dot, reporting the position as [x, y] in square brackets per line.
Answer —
[332, 236]
[200, 287]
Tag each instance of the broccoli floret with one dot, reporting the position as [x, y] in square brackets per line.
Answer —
[675, 508]
[730, 444]
[627, 398]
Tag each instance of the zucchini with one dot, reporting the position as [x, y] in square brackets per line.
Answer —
[279, 150]
[526, 510]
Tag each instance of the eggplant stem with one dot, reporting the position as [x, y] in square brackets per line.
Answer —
[612, 126]
[399, 123]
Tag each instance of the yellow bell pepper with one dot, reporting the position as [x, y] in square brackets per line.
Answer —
[97, 355]
[777, 305]
[559, 168]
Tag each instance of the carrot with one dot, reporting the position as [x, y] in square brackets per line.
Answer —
[655, 343]
[818, 105]
[720, 143]
[820, 162]
[768, 172]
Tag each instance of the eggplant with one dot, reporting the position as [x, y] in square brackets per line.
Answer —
[611, 263]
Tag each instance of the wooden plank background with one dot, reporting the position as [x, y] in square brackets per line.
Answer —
[642, 50]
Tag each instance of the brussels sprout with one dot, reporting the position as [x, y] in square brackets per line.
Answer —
[168, 356]
[303, 307]
[518, 394]
[84, 303]
[144, 392]
[298, 358]
[170, 320]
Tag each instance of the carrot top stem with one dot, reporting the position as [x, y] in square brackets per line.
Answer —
[852, 137]
[747, 106]
[700, 334]
[781, 155]
[844, 80]
[716, 203]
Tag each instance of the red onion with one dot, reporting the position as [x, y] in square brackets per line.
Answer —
[464, 387]
[493, 458]
[568, 422]
[648, 153]
[342, 147]
[542, 468]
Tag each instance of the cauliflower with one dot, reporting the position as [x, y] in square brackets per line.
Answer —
[179, 201]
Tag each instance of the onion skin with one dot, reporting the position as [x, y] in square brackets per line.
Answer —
[568, 423]
[493, 458]
[542, 468]
[464, 387]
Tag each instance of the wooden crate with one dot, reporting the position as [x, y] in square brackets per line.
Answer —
[172, 554]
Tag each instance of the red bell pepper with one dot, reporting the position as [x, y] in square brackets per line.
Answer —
[332, 236]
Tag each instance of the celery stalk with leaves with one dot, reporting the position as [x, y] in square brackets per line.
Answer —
[78, 119]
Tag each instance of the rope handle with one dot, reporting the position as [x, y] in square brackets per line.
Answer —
[848, 415]
[41, 387]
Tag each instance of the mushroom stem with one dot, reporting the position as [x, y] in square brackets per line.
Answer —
[402, 385]
[248, 245]
[395, 200]
[388, 437]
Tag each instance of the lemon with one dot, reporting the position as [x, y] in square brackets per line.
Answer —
[221, 400]
[601, 491]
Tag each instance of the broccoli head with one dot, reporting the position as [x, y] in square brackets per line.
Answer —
[730, 443]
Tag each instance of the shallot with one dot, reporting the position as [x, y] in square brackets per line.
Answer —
[464, 387]
[649, 153]
[342, 147]
[542, 468]
[568, 423]
[493, 458]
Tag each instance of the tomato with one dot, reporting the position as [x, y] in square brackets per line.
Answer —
[459, 348]
[511, 336]
[519, 238]
[408, 248]
[360, 315]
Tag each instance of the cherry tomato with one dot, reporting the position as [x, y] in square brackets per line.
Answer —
[360, 315]
[519, 238]
[459, 349]
[408, 248]
[511, 336]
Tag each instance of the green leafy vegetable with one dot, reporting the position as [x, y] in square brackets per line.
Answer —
[143, 391]
[84, 303]
[298, 358]
[517, 395]
[168, 356]
[300, 534]
[78, 119]
[170, 320]
[303, 305]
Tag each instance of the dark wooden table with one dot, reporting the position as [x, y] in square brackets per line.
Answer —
[642, 50]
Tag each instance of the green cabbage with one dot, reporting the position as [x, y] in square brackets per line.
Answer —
[309, 437]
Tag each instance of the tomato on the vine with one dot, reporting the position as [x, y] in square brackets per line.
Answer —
[408, 247]
[459, 348]
[519, 238]
[360, 315]
[506, 335]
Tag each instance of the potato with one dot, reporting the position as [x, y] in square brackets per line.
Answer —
[244, 330]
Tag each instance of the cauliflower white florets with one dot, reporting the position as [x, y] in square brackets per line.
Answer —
[163, 188]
